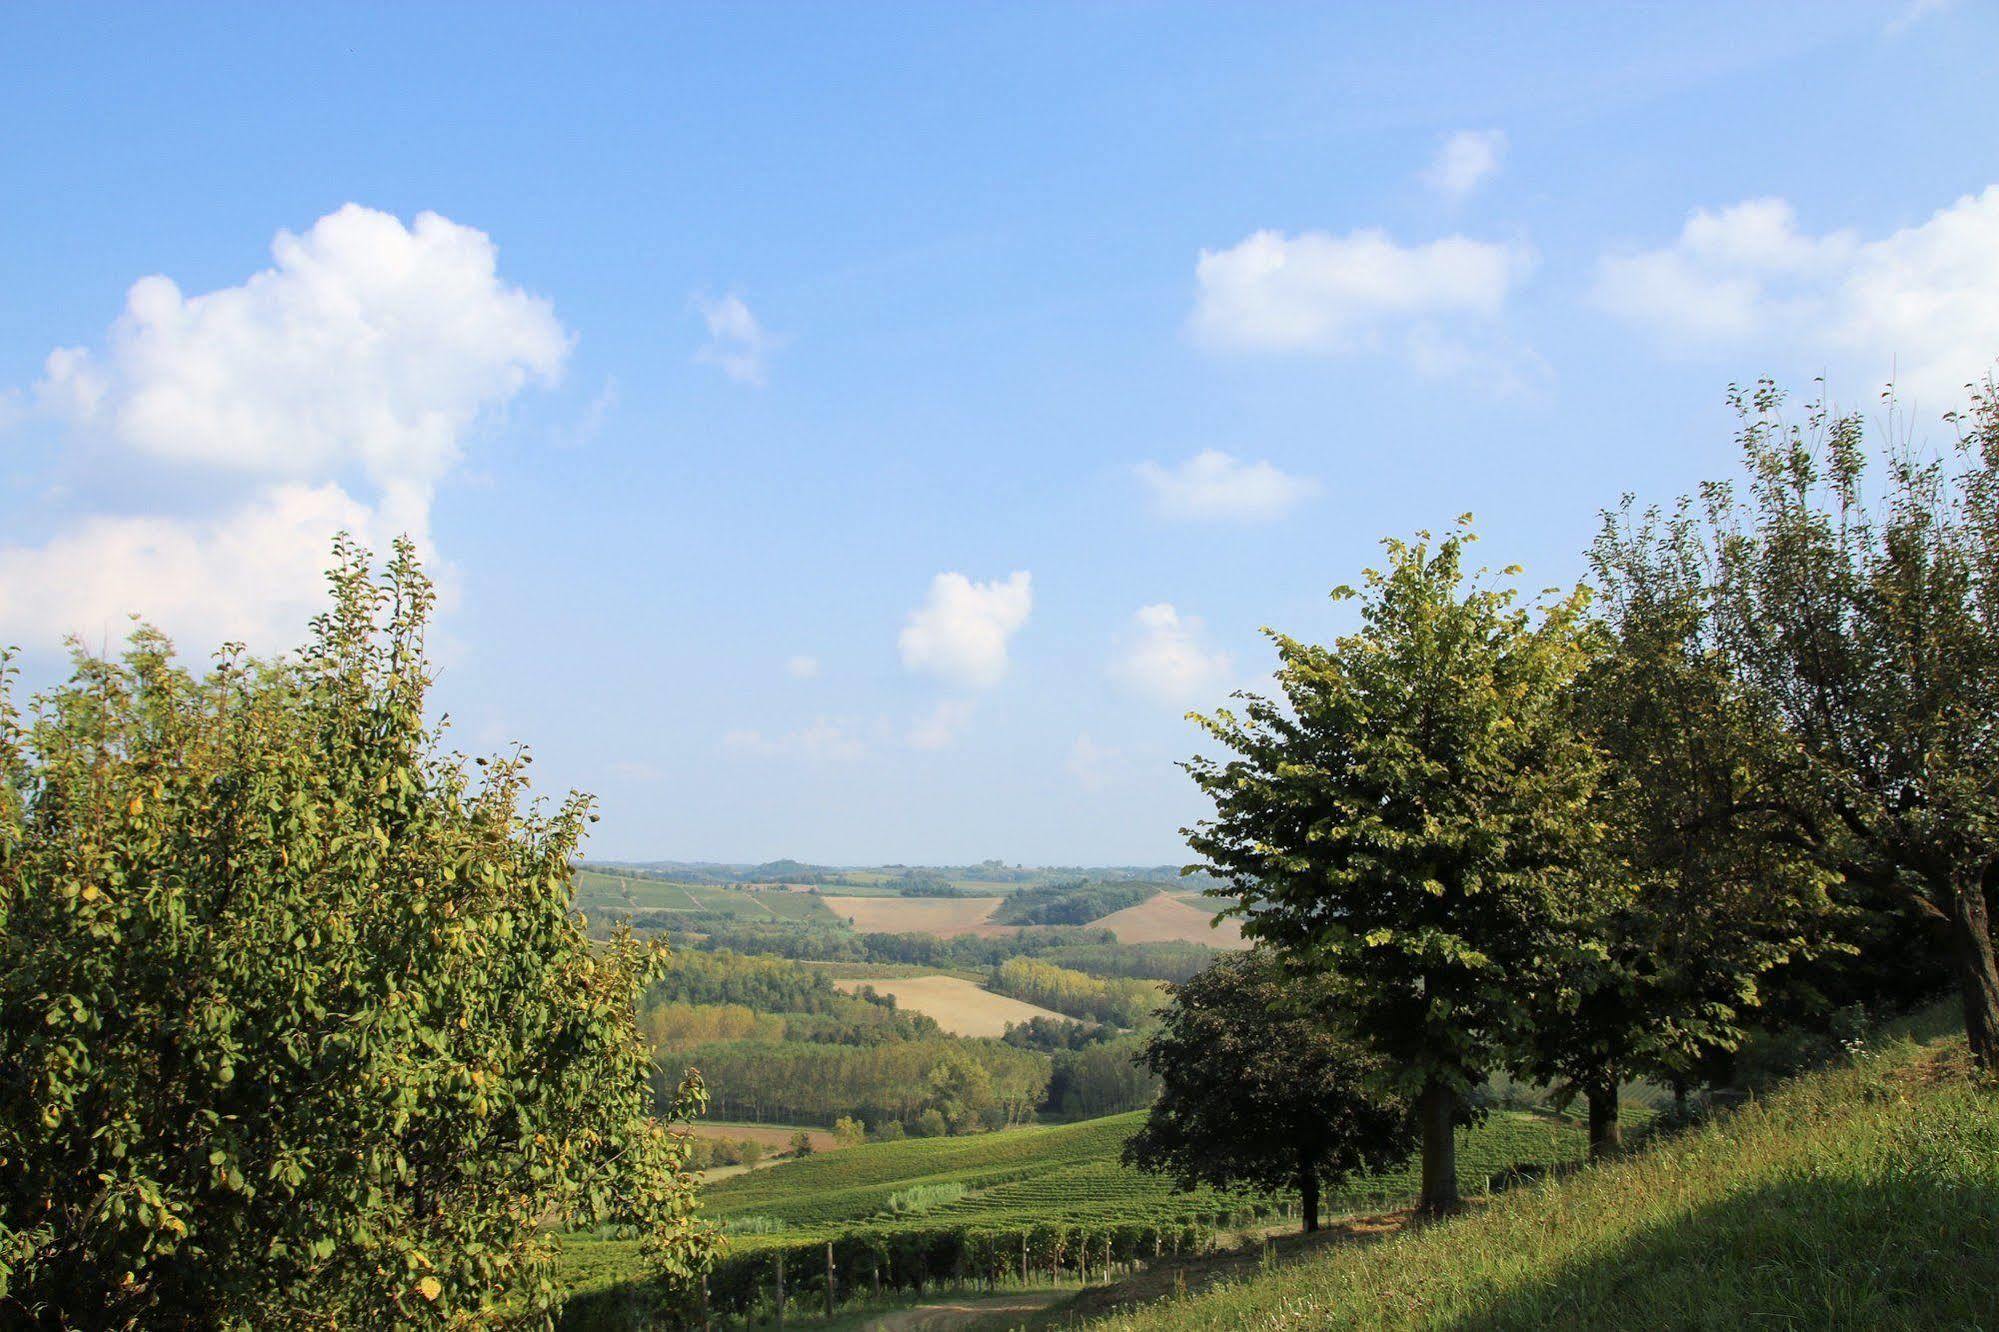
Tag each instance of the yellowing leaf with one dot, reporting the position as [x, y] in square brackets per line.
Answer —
[430, 1287]
[138, 804]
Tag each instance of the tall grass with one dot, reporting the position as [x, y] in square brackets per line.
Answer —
[1863, 1196]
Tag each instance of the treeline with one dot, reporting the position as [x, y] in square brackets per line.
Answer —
[960, 953]
[1751, 772]
[1105, 1077]
[1166, 960]
[1076, 903]
[706, 997]
[935, 1085]
[1122, 1003]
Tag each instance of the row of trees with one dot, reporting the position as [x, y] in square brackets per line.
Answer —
[1122, 1003]
[1584, 840]
[1076, 903]
[971, 1084]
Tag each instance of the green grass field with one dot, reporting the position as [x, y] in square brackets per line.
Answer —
[1045, 1176]
[607, 895]
[1865, 1196]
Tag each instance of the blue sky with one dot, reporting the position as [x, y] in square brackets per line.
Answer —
[859, 433]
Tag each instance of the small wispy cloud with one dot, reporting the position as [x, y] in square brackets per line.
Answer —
[737, 345]
[1464, 161]
[1217, 486]
[826, 739]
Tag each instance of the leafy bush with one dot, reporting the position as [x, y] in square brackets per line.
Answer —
[296, 1028]
[920, 1198]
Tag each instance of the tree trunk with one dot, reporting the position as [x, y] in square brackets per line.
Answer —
[1606, 1136]
[1977, 974]
[1436, 1110]
[1308, 1192]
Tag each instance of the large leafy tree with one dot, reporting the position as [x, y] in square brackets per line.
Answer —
[296, 1026]
[1412, 817]
[1261, 1087]
[1689, 913]
[1854, 591]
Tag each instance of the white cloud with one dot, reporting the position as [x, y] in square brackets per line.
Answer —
[1091, 764]
[960, 633]
[256, 574]
[1924, 299]
[346, 378]
[1214, 485]
[1914, 12]
[802, 667]
[823, 739]
[737, 344]
[1170, 661]
[369, 343]
[940, 726]
[1359, 293]
[1464, 161]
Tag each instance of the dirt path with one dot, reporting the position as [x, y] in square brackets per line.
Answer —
[971, 1312]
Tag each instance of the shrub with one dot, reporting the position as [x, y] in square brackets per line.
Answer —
[296, 1028]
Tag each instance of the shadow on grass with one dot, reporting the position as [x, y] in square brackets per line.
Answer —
[1913, 1252]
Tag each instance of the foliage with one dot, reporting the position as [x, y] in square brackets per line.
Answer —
[1122, 1003]
[1070, 903]
[922, 1198]
[1166, 960]
[1692, 909]
[1414, 822]
[817, 1083]
[1261, 1091]
[1102, 1078]
[295, 1026]
[1867, 628]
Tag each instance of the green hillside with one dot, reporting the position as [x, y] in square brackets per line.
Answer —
[611, 895]
[1863, 1196]
[1039, 1180]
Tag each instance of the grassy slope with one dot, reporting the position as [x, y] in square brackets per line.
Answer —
[612, 895]
[1067, 1173]
[1864, 1196]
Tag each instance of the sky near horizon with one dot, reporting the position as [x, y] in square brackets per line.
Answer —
[861, 432]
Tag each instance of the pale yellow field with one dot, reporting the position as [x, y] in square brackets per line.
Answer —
[960, 1007]
[942, 916]
[1164, 917]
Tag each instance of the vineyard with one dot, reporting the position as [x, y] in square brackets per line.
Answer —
[1032, 1203]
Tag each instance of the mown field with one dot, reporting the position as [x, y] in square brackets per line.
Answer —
[1167, 917]
[960, 1007]
[1864, 1196]
[941, 916]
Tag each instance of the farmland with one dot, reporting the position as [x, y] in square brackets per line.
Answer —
[960, 1007]
[1052, 1192]
[609, 894]
[941, 916]
[1167, 917]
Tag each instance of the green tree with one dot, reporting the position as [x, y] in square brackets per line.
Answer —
[296, 1027]
[1867, 628]
[1689, 912]
[1412, 818]
[1259, 1090]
